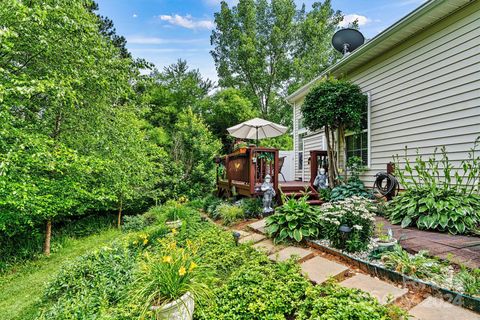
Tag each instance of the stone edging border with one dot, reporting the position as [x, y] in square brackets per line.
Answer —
[452, 297]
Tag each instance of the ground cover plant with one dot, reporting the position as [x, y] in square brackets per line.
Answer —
[437, 196]
[242, 283]
[295, 220]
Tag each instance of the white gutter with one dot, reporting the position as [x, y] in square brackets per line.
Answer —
[420, 11]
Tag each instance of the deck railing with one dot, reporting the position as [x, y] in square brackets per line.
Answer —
[245, 170]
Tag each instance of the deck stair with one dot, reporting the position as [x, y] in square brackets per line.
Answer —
[298, 189]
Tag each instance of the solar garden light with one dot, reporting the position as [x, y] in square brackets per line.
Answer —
[344, 234]
[236, 237]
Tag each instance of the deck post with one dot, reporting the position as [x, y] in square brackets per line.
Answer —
[252, 170]
[276, 171]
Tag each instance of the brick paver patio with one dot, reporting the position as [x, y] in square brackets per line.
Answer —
[461, 249]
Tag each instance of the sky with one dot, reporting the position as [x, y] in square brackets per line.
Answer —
[162, 31]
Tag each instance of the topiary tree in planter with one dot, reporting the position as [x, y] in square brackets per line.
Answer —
[336, 105]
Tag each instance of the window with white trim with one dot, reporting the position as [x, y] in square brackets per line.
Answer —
[357, 144]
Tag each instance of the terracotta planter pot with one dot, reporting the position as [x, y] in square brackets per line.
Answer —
[174, 224]
[180, 309]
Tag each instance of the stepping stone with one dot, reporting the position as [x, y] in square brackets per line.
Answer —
[319, 269]
[242, 233]
[383, 291]
[438, 309]
[258, 226]
[254, 237]
[266, 246]
[288, 252]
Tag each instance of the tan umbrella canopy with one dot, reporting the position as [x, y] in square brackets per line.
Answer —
[257, 129]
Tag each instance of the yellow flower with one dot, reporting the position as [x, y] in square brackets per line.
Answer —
[167, 259]
[182, 271]
[172, 246]
[135, 242]
[174, 231]
[145, 241]
[193, 265]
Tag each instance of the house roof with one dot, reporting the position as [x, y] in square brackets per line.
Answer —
[425, 15]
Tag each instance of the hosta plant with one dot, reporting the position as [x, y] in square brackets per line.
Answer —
[439, 195]
[354, 187]
[356, 213]
[295, 220]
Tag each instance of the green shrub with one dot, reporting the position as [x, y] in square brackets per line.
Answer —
[420, 265]
[252, 207]
[325, 194]
[356, 213]
[437, 196]
[229, 213]
[134, 223]
[266, 291]
[332, 301]
[89, 284]
[353, 187]
[295, 220]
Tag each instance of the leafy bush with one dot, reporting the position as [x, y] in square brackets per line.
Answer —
[325, 194]
[469, 280]
[295, 220]
[252, 206]
[420, 265]
[332, 301]
[356, 213]
[437, 196]
[134, 223]
[353, 187]
[229, 213]
[266, 291]
[89, 284]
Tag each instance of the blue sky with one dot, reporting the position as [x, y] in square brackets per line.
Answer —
[161, 31]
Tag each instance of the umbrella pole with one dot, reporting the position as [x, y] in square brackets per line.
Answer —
[257, 137]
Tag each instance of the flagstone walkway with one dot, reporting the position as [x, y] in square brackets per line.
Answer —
[319, 269]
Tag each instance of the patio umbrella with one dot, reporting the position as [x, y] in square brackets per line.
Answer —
[257, 129]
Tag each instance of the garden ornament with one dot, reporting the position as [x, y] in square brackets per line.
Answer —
[321, 181]
[268, 194]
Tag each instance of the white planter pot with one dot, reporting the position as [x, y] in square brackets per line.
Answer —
[384, 245]
[174, 224]
[180, 309]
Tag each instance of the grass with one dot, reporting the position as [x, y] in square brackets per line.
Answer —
[22, 288]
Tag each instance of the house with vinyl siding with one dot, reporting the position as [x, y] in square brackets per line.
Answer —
[422, 79]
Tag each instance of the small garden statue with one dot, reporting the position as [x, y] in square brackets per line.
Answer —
[268, 194]
[321, 180]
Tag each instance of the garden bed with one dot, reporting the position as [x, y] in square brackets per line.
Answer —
[376, 269]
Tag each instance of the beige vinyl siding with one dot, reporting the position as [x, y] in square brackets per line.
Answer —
[426, 93]
[312, 142]
[296, 142]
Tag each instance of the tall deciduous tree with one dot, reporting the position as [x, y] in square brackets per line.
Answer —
[252, 43]
[269, 48]
[336, 105]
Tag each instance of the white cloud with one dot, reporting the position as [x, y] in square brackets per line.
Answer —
[187, 21]
[134, 15]
[156, 40]
[349, 18]
[217, 2]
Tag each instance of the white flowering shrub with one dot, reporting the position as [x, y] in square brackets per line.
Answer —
[358, 214]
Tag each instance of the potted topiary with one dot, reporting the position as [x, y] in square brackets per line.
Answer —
[170, 282]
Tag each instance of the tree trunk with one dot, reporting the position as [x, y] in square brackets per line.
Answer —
[119, 222]
[48, 237]
[331, 169]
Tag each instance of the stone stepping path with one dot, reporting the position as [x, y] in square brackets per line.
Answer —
[267, 246]
[289, 252]
[383, 291]
[438, 309]
[258, 226]
[253, 237]
[319, 269]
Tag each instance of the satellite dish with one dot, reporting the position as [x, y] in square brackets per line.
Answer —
[347, 40]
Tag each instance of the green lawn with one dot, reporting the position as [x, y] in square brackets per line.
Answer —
[19, 291]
